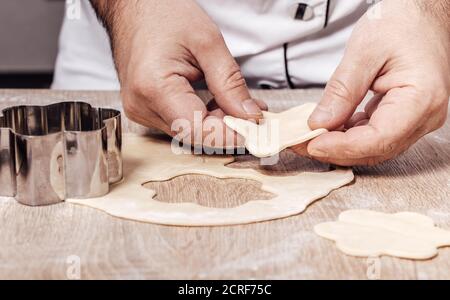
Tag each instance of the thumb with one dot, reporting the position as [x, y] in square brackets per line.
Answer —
[225, 81]
[347, 87]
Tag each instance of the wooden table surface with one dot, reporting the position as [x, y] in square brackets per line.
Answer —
[41, 243]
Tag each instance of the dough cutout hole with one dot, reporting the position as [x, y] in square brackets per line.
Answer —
[208, 191]
[151, 160]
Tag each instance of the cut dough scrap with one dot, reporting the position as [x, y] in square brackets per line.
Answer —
[276, 131]
[147, 159]
[371, 234]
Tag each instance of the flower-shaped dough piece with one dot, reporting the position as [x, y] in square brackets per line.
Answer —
[276, 131]
[370, 234]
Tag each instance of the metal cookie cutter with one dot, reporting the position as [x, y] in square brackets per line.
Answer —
[63, 150]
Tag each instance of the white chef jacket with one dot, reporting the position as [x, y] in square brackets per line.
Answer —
[273, 47]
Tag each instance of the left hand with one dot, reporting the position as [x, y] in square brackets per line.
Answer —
[404, 58]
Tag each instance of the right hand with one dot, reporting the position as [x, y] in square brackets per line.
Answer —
[160, 48]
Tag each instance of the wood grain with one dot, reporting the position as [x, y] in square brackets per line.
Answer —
[35, 243]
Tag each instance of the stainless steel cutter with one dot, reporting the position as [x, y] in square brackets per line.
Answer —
[63, 150]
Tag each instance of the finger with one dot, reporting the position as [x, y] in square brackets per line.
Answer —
[184, 113]
[238, 140]
[176, 99]
[301, 149]
[218, 113]
[212, 105]
[347, 87]
[217, 135]
[149, 119]
[362, 123]
[392, 125]
[373, 103]
[371, 161]
[355, 119]
[262, 104]
[224, 79]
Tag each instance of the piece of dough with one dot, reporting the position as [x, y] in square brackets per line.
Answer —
[147, 159]
[371, 234]
[276, 131]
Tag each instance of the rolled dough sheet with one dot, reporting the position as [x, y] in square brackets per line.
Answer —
[370, 234]
[276, 131]
[147, 159]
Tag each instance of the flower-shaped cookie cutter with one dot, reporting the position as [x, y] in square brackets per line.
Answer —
[59, 151]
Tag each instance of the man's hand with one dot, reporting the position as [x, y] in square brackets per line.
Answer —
[403, 56]
[160, 48]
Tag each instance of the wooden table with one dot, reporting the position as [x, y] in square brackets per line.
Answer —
[45, 242]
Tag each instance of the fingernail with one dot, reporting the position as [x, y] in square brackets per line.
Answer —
[251, 108]
[317, 153]
[321, 115]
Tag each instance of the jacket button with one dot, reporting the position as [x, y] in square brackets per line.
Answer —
[267, 85]
[304, 12]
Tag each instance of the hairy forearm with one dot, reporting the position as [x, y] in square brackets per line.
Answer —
[107, 11]
[117, 17]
